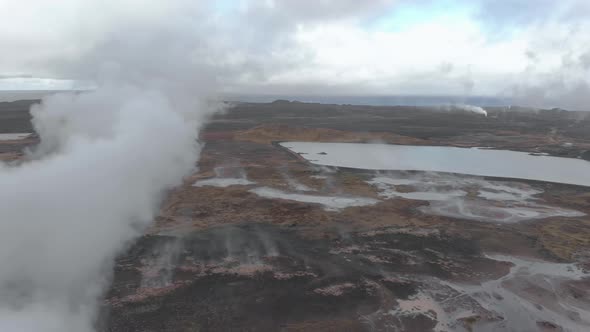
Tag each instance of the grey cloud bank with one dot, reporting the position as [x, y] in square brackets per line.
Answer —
[328, 47]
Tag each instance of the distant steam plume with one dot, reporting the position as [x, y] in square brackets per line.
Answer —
[466, 108]
[472, 109]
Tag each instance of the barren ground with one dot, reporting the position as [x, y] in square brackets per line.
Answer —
[227, 259]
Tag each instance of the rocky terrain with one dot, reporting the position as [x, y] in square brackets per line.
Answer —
[258, 239]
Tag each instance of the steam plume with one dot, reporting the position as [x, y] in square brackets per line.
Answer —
[96, 180]
[467, 108]
[105, 160]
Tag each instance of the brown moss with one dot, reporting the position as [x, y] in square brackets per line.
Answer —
[269, 133]
[563, 238]
[326, 325]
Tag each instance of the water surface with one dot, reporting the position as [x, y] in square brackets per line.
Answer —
[473, 161]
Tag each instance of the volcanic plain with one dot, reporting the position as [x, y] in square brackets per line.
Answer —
[261, 238]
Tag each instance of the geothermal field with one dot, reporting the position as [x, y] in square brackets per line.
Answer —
[317, 217]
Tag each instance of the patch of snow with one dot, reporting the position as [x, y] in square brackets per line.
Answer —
[330, 203]
[394, 181]
[223, 182]
[425, 305]
[448, 197]
[475, 210]
[298, 186]
[532, 292]
[335, 290]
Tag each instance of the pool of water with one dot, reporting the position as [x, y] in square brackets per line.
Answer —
[14, 136]
[473, 161]
[223, 182]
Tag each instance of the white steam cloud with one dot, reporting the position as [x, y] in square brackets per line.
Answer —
[465, 108]
[472, 109]
[105, 161]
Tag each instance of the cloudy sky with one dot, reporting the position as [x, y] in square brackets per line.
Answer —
[532, 49]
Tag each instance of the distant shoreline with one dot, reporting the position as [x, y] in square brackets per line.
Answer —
[372, 101]
[17, 95]
[401, 100]
[396, 100]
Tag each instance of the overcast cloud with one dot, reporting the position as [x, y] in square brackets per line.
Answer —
[536, 51]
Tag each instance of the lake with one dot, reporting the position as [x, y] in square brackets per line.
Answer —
[472, 161]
